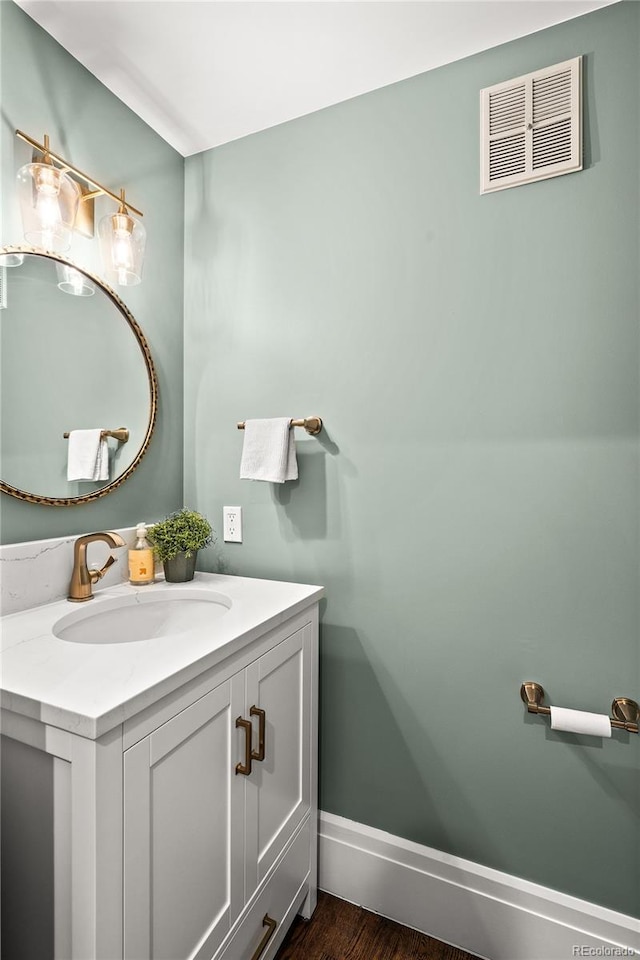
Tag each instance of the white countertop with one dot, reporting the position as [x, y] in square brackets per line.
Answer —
[88, 688]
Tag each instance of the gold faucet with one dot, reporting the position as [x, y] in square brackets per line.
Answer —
[82, 579]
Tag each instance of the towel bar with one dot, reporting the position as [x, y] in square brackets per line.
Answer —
[121, 434]
[312, 425]
[626, 712]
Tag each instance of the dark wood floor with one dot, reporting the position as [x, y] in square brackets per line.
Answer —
[342, 931]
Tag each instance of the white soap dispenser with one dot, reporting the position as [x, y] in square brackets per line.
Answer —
[141, 563]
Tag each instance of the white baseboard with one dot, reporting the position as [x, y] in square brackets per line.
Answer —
[480, 910]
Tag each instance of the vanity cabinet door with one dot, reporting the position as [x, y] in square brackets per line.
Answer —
[183, 832]
[279, 788]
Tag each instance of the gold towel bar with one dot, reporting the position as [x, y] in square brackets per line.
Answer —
[312, 425]
[121, 434]
[626, 712]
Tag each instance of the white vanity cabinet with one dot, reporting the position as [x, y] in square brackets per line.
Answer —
[212, 800]
[188, 829]
[183, 832]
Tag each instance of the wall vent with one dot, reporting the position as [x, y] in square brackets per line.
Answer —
[531, 127]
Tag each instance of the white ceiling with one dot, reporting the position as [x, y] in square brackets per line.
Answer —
[203, 72]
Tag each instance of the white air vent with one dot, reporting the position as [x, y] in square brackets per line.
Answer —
[531, 127]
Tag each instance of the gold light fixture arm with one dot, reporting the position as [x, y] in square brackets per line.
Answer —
[49, 156]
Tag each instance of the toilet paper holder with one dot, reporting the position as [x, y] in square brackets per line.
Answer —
[626, 712]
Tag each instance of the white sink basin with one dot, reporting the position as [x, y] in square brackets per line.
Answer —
[127, 619]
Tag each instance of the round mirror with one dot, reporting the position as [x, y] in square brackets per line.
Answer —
[72, 358]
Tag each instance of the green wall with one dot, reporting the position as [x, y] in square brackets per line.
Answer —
[472, 505]
[45, 90]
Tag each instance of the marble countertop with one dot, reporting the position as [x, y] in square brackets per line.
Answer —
[88, 688]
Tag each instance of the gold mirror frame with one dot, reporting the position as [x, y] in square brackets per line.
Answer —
[151, 373]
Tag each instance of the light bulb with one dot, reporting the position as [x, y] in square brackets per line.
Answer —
[48, 213]
[47, 180]
[47, 210]
[122, 254]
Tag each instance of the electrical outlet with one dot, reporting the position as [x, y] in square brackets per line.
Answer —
[232, 524]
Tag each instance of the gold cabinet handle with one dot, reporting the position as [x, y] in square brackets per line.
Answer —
[245, 767]
[262, 721]
[271, 924]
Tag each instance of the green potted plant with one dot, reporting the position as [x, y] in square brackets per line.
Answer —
[176, 541]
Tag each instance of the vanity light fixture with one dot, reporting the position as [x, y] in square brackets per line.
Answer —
[54, 203]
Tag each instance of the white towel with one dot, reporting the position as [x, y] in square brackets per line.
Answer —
[88, 455]
[269, 451]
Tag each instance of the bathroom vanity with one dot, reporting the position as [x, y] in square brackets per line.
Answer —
[159, 771]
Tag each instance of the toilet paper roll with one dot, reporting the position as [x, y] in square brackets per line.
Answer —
[578, 721]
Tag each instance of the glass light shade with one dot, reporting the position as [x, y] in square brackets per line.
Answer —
[11, 259]
[49, 202]
[73, 282]
[122, 242]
